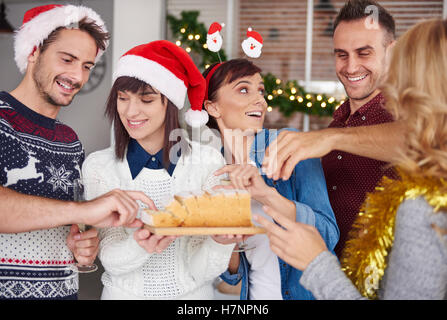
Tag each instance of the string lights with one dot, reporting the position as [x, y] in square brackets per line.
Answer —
[289, 97]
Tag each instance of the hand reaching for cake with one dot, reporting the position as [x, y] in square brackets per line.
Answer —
[152, 243]
[245, 177]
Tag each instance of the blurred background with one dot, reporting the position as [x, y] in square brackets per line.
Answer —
[302, 89]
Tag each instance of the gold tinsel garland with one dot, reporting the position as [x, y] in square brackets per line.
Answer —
[364, 258]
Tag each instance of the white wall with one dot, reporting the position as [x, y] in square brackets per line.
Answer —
[136, 22]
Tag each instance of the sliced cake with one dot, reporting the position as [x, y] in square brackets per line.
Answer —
[161, 218]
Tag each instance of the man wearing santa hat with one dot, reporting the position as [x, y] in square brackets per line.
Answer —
[55, 48]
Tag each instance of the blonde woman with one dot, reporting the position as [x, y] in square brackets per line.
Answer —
[398, 248]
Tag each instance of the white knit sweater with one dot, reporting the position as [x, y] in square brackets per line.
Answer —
[187, 268]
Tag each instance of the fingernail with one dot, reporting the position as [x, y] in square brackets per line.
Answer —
[77, 237]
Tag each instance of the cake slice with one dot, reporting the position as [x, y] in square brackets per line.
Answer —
[227, 200]
[177, 209]
[189, 202]
[244, 199]
[215, 214]
[206, 209]
[223, 208]
[157, 218]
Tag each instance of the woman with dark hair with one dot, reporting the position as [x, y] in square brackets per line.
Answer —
[150, 85]
[235, 101]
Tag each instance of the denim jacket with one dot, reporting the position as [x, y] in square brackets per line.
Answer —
[307, 188]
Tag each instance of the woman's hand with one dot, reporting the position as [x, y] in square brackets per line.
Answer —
[245, 177]
[152, 243]
[296, 243]
[84, 245]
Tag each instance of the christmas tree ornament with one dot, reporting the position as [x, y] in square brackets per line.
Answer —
[214, 38]
[253, 44]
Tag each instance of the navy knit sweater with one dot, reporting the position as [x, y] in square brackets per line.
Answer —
[38, 156]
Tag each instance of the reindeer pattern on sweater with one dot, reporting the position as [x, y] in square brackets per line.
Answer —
[38, 156]
[32, 161]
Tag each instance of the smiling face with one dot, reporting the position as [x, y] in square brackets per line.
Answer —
[360, 59]
[143, 116]
[240, 104]
[64, 67]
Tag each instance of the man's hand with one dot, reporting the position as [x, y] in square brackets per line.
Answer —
[84, 245]
[291, 147]
[152, 243]
[113, 209]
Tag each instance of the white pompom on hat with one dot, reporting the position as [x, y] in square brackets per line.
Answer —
[39, 22]
[169, 69]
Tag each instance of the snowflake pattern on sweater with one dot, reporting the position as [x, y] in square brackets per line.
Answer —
[38, 156]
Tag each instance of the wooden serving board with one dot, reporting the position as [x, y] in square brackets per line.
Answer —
[193, 231]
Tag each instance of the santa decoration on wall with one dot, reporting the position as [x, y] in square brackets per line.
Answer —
[253, 44]
[214, 38]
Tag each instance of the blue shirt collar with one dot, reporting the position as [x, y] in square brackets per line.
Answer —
[138, 158]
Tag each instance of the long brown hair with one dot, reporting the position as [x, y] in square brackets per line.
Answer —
[122, 137]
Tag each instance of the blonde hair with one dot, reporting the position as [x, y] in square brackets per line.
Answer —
[416, 93]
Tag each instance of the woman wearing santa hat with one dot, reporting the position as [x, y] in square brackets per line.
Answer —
[150, 85]
[235, 101]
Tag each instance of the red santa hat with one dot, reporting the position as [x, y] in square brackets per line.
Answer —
[253, 34]
[40, 22]
[215, 27]
[169, 69]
